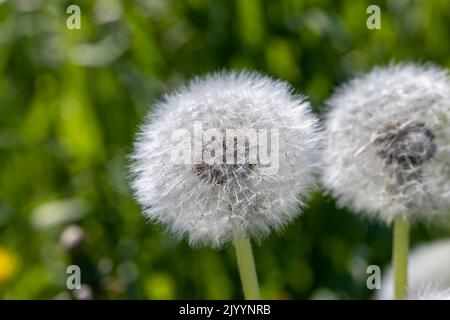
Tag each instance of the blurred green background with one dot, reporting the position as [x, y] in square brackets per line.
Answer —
[70, 104]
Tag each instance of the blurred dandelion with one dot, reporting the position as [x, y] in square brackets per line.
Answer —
[209, 199]
[428, 271]
[388, 147]
[8, 265]
[72, 238]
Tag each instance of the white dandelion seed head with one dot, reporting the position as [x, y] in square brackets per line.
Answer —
[208, 201]
[428, 272]
[387, 148]
[431, 294]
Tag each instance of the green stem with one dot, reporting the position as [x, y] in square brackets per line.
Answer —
[400, 257]
[246, 266]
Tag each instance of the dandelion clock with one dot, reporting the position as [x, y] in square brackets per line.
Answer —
[229, 157]
[431, 294]
[428, 272]
[388, 150]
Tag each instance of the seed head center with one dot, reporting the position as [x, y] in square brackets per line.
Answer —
[408, 145]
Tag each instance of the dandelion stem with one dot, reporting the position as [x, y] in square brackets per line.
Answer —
[246, 266]
[400, 257]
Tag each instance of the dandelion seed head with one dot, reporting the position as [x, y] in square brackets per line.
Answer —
[210, 200]
[387, 148]
[428, 272]
[431, 294]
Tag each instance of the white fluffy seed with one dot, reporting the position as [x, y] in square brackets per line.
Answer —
[209, 203]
